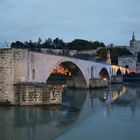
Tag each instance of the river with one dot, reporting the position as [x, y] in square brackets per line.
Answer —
[112, 113]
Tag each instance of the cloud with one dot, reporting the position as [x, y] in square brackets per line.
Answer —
[108, 21]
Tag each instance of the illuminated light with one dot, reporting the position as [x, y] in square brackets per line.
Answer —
[64, 86]
[61, 70]
[104, 79]
[104, 97]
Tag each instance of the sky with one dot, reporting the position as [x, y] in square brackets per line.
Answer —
[108, 21]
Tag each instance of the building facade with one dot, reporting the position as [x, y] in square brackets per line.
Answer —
[128, 61]
[134, 44]
[131, 61]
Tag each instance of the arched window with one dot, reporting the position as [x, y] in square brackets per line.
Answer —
[33, 74]
[91, 72]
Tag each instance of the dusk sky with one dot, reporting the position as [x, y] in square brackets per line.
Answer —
[109, 21]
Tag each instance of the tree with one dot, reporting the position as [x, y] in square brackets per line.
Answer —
[115, 52]
[102, 44]
[39, 41]
[80, 44]
[58, 43]
[102, 54]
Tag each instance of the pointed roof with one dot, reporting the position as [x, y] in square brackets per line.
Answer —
[133, 36]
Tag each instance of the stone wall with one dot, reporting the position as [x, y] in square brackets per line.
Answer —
[21, 62]
[37, 94]
[128, 61]
[13, 69]
[6, 76]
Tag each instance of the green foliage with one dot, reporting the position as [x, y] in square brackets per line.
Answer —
[58, 43]
[115, 52]
[77, 44]
[102, 54]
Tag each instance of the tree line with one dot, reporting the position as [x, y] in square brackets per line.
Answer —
[77, 44]
[115, 52]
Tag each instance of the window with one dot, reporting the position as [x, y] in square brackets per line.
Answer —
[33, 74]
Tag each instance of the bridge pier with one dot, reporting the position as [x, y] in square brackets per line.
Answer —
[117, 79]
[98, 83]
[37, 94]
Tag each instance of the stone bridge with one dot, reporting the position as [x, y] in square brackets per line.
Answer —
[22, 65]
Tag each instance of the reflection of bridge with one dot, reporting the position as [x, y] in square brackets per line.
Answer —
[113, 95]
[22, 65]
[110, 94]
[35, 123]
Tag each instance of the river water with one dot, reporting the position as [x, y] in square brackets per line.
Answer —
[112, 113]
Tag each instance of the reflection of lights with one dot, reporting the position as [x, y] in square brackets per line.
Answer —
[64, 86]
[105, 96]
[117, 94]
[125, 89]
[104, 78]
[105, 114]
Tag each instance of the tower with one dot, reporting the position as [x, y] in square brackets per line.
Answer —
[133, 36]
[133, 41]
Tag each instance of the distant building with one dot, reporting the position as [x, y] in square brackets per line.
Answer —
[131, 61]
[111, 45]
[128, 61]
[90, 52]
[72, 52]
[52, 51]
[134, 44]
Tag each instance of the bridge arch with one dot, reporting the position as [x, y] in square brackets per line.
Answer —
[119, 72]
[126, 72]
[104, 74]
[77, 76]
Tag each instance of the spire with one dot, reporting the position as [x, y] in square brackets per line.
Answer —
[133, 36]
[133, 41]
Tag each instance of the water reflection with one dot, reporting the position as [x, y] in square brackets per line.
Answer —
[117, 95]
[33, 123]
[27, 123]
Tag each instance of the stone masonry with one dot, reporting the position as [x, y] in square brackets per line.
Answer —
[11, 72]
[37, 94]
[6, 75]
[23, 66]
